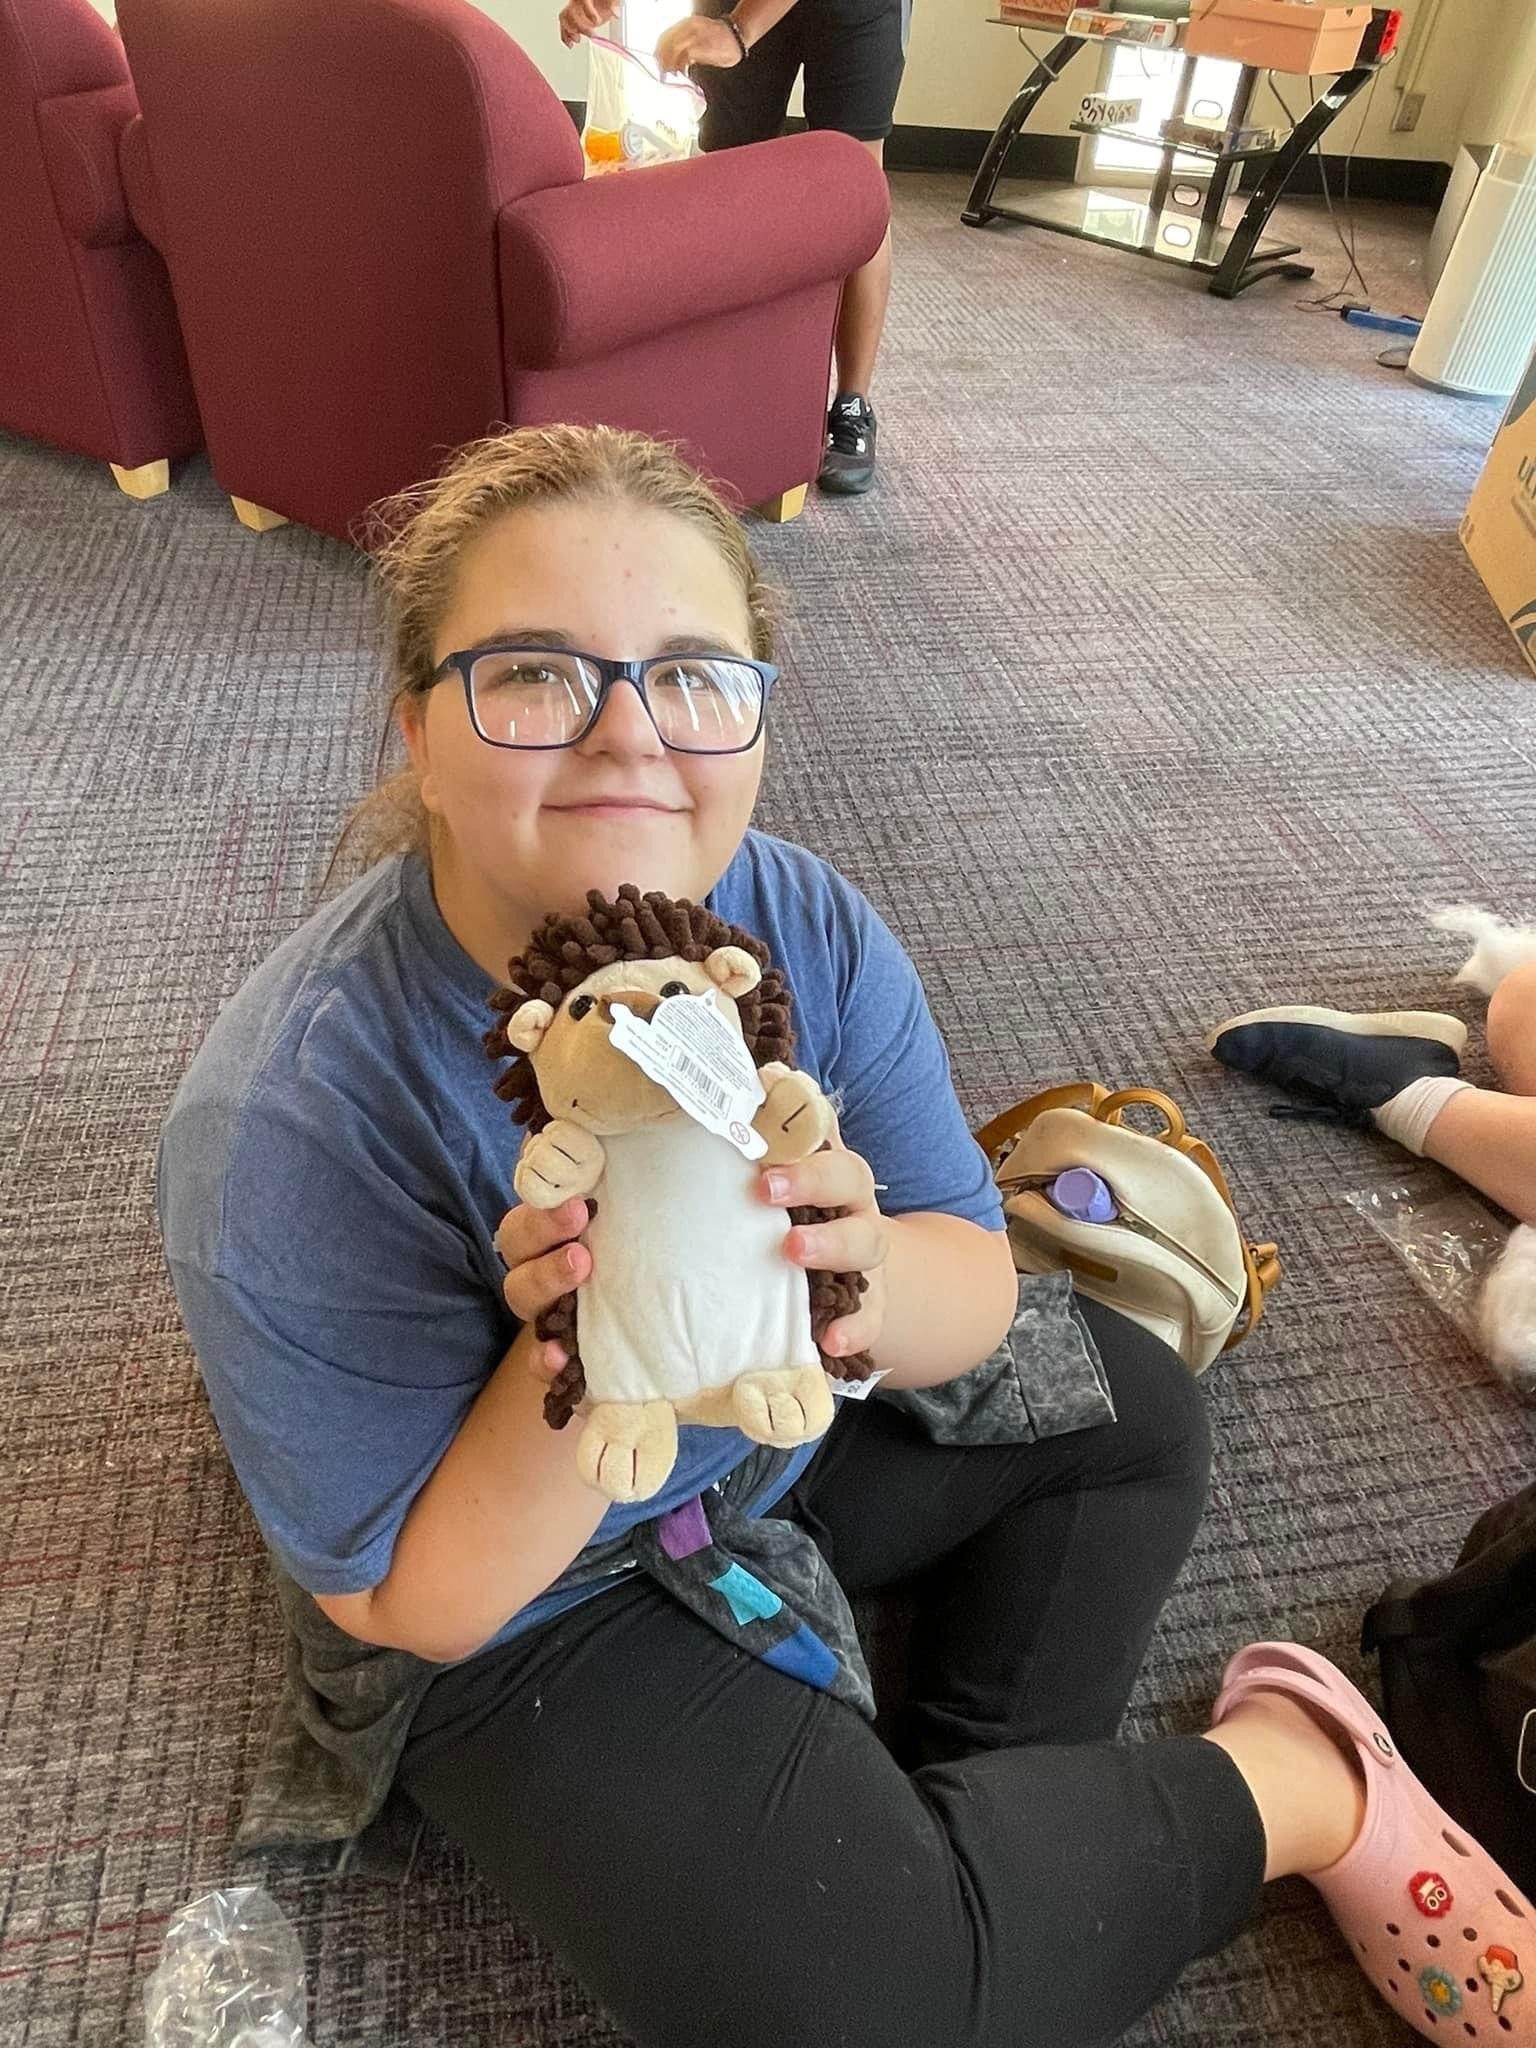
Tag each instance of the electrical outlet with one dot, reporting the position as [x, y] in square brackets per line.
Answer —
[1410, 106]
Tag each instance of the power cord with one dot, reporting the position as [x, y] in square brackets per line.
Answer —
[1327, 298]
[1349, 158]
[1035, 57]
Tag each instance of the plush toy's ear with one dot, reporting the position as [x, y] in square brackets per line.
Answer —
[527, 1025]
[734, 972]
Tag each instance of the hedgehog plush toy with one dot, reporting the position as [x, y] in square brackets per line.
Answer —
[692, 1312]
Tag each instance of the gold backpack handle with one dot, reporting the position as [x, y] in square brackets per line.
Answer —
[1261, 1262]
[1113, 1107]
[1013, 1123]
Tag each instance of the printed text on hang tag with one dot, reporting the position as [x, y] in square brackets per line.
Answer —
[859, 1390]
[690, 1049]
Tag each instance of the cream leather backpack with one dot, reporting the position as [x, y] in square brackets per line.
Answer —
[1144, 1223]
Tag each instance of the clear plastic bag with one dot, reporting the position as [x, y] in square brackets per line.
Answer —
[634, 115]
[230, 1975]
[1450, 1244]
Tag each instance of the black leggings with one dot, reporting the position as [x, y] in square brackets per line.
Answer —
[732, 1860]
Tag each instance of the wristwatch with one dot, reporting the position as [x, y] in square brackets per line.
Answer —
[735, 28]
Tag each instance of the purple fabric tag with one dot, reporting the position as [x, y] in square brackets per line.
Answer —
[684, 1531]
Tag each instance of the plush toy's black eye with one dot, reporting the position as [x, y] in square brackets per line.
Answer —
[580, 1007]
[674, 988]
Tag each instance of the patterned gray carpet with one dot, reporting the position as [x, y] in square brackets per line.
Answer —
[1152, 685]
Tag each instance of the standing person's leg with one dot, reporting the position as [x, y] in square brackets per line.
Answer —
[1039, 1569]
[855, 54]
[726, 1856]
[861, 318]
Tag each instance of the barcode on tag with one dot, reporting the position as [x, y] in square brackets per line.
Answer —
[708, 1087]
[693, 1052]
[692, 1025]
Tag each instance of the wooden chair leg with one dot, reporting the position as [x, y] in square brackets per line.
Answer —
[149, 480]
[786, 506]
[257, 517]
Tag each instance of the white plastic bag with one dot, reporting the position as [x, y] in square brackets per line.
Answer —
[1450, 1244]
[1472, 1266]
[230, 1975]
[634, 115]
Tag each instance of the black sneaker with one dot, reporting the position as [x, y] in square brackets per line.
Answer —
[848, 466]
[1342, 1064]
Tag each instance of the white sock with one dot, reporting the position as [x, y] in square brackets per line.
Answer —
[1406, 1116]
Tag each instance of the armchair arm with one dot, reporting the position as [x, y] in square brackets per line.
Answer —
[587, 268]
[80, 132]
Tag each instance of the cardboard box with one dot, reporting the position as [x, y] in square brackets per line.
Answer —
[1499, 530]
[1278, 35]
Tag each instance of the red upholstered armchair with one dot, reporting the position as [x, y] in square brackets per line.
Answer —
[90, 354]
[382, 246]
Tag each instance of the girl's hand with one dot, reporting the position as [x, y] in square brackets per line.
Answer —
[584, 18]
[697, 41]
[544, 1260]
[856, 1242]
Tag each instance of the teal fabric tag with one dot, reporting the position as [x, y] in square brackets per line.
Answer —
[748, 1598]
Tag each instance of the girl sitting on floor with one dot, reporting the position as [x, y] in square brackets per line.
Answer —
[724, 1853]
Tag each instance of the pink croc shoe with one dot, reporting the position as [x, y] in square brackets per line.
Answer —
[1433, 1921]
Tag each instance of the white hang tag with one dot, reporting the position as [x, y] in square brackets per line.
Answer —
[859, 1390]
[689, 1049]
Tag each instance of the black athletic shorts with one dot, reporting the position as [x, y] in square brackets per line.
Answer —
[853, 53]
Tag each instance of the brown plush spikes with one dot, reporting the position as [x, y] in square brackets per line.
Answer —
[565, 950]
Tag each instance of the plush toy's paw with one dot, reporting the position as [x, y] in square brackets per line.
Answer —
[783, 1408]
[560, 1161]
[627, 1448]
[795, 1120]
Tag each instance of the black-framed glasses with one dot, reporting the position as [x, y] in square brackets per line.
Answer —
[542, 697]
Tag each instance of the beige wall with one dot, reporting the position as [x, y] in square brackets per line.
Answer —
[1504, 78]
[532, 22]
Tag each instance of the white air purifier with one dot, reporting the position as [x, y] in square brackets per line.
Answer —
[1477, 335]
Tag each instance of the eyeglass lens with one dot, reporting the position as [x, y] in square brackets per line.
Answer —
[701, 704]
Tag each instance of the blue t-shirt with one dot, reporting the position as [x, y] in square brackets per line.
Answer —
[336, 1163]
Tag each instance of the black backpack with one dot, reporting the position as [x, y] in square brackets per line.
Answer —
[1458, 1674]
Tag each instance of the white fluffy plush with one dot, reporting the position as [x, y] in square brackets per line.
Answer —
[1507, 1313]
[1498, 946]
